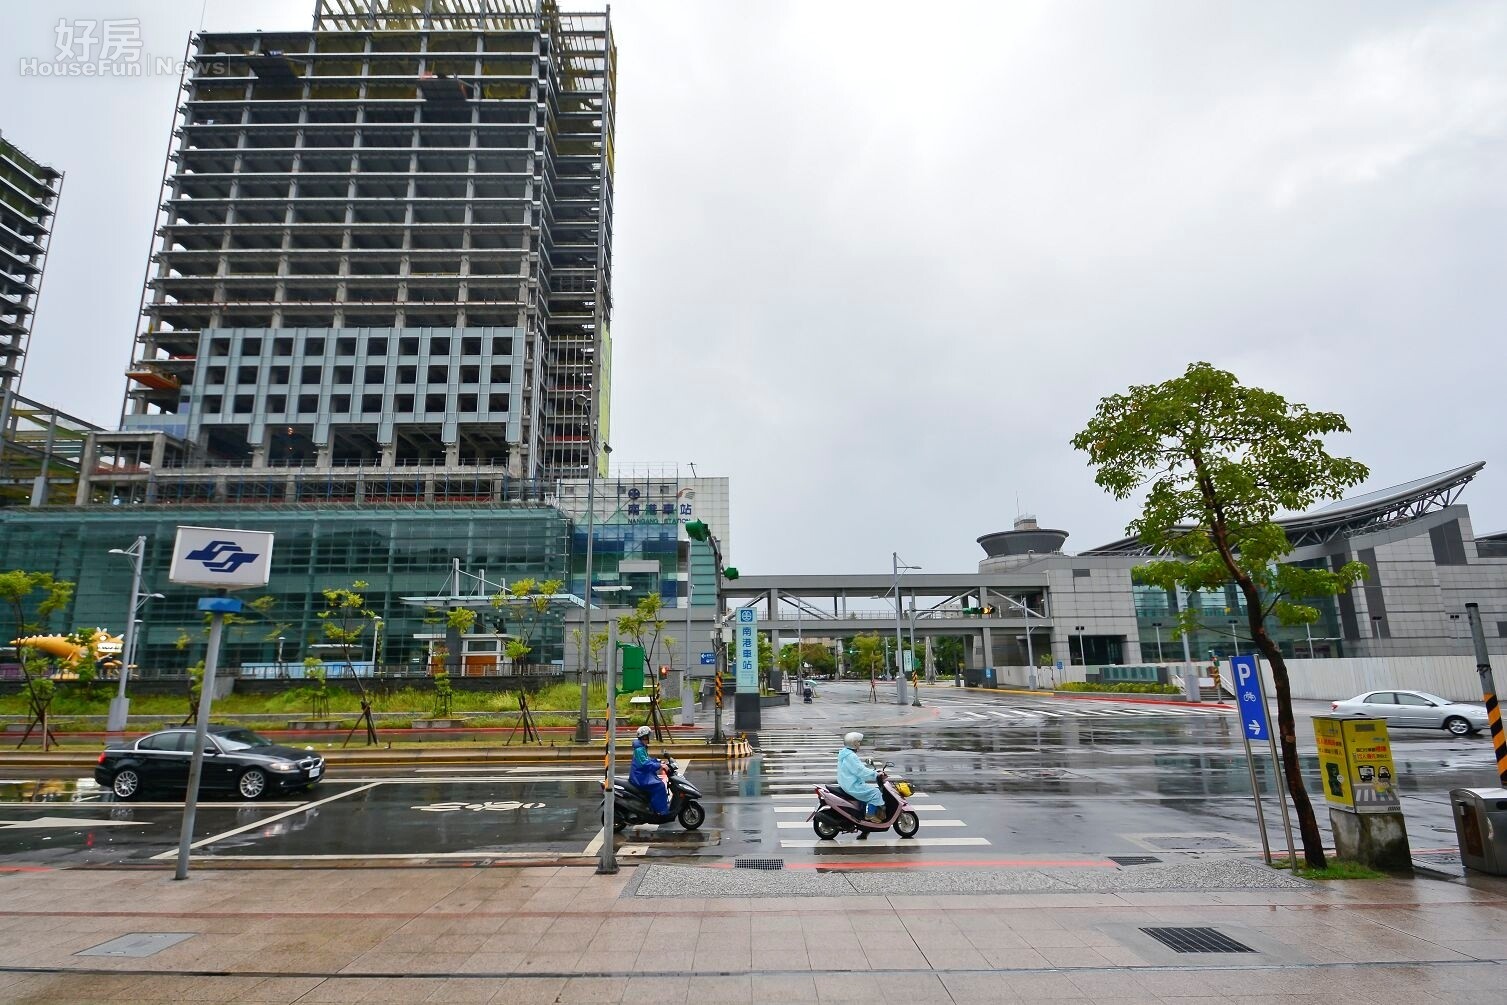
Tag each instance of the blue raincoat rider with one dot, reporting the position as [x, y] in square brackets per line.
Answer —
[647, 773]
[856, 778]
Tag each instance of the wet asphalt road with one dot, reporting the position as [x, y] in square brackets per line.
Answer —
[1000, 778]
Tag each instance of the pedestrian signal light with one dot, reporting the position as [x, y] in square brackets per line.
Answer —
[664, 672]
[988, 611]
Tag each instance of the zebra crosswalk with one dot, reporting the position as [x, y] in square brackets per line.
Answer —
[794, 762]
[964, 710]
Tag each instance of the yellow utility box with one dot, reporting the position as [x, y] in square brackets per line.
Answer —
[1355, 759]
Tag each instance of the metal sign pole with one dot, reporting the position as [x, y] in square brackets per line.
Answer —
[1488, 690]
[608, 863]
[218, 608]
[1250, 764]
[1271, 740]
[687, 685]
[1250, 705]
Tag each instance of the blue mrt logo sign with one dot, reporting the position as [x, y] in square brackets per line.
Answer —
[1252, 701]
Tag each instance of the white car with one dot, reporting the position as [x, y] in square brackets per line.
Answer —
[1415, 708]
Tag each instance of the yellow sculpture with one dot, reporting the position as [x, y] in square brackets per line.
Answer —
[106, 646]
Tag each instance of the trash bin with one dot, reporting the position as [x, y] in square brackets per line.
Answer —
[1481, 828]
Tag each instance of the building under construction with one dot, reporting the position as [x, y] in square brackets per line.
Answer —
[383, 266]
[39, 446]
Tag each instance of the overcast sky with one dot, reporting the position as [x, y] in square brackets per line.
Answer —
[878, 262]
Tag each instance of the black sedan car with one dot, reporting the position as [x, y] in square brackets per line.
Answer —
[235, 760]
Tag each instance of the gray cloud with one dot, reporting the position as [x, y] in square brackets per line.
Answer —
[878, 263]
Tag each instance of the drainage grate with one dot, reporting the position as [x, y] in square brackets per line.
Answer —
[137, 944]
[1133, 859]
[759, 863]
[1197, 940]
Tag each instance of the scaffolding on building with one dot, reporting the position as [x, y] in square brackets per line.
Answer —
[385, 243]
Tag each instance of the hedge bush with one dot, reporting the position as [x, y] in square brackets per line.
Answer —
[1120, 688]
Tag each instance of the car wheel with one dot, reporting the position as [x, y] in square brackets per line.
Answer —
[127, 784]
[252, 784]
[1457, 726]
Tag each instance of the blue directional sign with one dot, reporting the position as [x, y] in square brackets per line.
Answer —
[1251, 701]
[708, 659]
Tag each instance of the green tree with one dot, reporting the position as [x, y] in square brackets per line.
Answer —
[344, 620]
[443, 693]
[947, 650]
[813, 654]
[319, 687]
[48, 597]
[646, 626]
[1217, 462]
[868, 655]
[526, 602]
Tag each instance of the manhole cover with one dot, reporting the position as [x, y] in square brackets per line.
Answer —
[758, 863]
[1197, 940]
[137, 944]
[1133, 859]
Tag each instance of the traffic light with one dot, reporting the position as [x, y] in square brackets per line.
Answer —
[730, 573]
[664, 672]
[697, 530]
[988, 611]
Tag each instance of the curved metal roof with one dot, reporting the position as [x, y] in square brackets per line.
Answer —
[1345, 517]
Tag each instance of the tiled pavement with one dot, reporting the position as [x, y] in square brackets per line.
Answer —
[547, 935]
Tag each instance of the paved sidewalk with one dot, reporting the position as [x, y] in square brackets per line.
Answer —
[566, 935]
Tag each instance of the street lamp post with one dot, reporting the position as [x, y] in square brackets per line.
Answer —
[1158, 626]
[120, 705]
[376, 631]
[583, 721]
[896, 566]
[281, 670]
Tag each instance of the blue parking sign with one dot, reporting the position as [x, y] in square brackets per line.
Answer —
[1251, 701]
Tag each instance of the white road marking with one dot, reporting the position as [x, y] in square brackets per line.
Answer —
[808, 805]
[627, 849]
[471, 779]
[67, 823]
[810, 795]
[898, 843]
[796, 824]
[491, 768]
[96, 804]
[267, 820]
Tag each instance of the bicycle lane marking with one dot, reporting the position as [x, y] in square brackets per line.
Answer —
[266, 820]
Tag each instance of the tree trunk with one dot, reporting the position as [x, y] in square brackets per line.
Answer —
[1287, 737]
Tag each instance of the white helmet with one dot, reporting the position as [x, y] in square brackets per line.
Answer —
[643, 732]
[852, 740]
